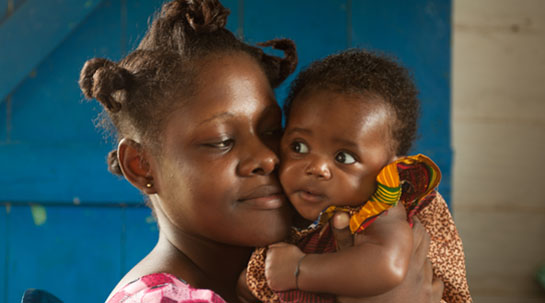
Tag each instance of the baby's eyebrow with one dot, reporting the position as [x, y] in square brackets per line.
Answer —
[298, 130]
[346, 142]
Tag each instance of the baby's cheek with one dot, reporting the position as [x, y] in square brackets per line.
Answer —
[358, 190]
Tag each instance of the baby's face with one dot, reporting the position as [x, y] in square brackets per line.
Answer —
[333, 148]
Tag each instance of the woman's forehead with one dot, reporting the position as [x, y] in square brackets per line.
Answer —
[229, 86]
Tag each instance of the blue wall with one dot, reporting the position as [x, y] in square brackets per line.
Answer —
[66, 224]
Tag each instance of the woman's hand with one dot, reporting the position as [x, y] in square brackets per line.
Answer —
[419, 285]
[244, 294]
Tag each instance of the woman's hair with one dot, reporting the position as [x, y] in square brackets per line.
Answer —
[371, 75]
[143, 87]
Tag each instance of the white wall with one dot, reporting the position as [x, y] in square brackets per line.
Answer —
[498, 116]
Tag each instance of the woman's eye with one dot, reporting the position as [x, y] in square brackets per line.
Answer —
[299, 147]
[222, 144]
[345, 158]
[274, 133]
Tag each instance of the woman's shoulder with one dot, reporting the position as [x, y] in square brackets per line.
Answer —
[163, 287]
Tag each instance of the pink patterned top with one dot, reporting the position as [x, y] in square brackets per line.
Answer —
[163, 288]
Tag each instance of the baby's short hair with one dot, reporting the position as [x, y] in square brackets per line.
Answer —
[361, 72]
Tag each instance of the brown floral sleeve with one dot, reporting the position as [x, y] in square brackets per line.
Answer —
[446, 250]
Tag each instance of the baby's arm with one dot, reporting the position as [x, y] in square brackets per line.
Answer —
[375, 264]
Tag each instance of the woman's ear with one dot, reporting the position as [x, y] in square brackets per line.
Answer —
[134, 164]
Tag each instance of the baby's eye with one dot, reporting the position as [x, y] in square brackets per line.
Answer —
[299, 147]
[345, 158]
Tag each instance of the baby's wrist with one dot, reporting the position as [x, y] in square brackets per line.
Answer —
[297, 272]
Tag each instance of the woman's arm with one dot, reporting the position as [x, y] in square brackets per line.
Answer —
[377, 263]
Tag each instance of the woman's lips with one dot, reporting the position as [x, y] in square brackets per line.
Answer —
[264, 197]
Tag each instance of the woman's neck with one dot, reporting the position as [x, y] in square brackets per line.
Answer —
[201, 262]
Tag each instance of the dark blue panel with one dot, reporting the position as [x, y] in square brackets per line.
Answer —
[418, 33]
[74, 252]
[3, 9]
[234, 24]
[4, 238]
[60, 173]
[48, 107]
[139, 13]
[317, 29]
[4, 121]
[59, 155]
[141, 234]
[25, 46]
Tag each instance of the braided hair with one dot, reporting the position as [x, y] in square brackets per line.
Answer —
[142, 88]
[367, 74]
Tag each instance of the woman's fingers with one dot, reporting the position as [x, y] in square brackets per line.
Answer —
[437, 289]
[340, 220]
[432, 285]
[421, 242]
[243, 291]
[419, 233]
[341, 232]
[278, 244]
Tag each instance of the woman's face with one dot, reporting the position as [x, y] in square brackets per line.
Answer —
[217, 175]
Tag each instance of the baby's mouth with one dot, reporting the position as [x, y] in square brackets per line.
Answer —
[310, 196]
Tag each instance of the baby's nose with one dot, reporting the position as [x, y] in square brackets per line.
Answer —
[319, 169]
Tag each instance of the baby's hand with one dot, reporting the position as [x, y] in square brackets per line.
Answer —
[280, 265]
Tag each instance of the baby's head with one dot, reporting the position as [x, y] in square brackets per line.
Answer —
[348, 116]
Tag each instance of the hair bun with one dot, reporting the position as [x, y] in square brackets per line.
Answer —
[201, 15]
[100, 78]
[113, 163]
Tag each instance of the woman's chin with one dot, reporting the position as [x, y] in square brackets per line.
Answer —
[261, 228]
[273, 232]
[271, 237]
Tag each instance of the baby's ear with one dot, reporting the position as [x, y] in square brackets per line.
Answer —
[134, 163]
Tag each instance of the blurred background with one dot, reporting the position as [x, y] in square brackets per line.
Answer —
[68, 226]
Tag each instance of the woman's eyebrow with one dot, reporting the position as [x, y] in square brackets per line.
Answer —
[299, 130]
[217, 116]
[272, 109]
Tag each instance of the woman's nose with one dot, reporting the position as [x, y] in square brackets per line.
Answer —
[318, 168]
[258, 160]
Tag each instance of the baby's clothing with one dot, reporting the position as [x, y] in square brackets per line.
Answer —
[162, 288]
[411, 180]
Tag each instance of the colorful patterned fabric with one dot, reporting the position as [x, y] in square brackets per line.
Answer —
[413, 180]
[389, 189]
[163, 288]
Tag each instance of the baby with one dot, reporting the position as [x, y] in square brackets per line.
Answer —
[351, 119]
